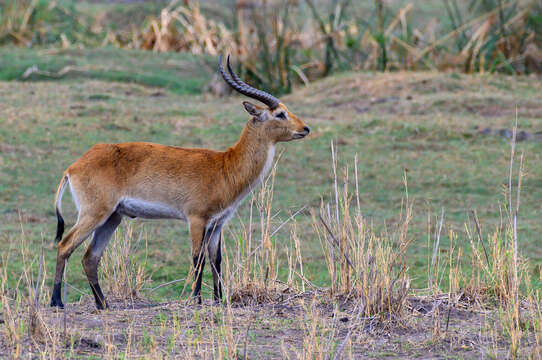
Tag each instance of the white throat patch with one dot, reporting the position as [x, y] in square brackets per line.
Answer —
[268, 164]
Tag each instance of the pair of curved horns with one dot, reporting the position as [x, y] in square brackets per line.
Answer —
[238, 85]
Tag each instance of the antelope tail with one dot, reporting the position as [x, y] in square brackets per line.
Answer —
[58, 200]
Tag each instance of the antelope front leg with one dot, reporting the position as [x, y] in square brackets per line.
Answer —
[215, 258]
[197, 235]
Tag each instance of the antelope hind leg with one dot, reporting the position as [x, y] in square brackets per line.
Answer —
[91, 260]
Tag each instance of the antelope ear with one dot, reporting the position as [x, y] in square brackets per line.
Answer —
[252, 109]
[258, 113]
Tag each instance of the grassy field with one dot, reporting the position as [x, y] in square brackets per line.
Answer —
[427, 127]
[181, 74]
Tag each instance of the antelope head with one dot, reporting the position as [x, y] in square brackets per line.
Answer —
[273, 121]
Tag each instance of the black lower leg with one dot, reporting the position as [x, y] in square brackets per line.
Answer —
[101, 304]
[218, 291]
[56, 299]
[199, 263]
[217, 277]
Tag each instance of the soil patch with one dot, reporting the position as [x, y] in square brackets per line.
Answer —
[429, 326]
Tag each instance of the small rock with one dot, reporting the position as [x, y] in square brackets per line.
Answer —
[361, 110]
[504, 133]
[522, 136]
[90, 343]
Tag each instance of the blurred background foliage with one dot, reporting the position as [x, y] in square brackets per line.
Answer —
[280, 43]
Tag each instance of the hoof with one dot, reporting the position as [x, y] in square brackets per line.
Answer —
[218, 301]
[102, 305]
[57, 303]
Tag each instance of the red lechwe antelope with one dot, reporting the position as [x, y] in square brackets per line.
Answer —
[152, 181]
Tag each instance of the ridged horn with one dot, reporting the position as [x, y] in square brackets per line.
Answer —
[241, 87]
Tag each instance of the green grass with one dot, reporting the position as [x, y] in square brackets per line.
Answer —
[179, 73]
[423, 123]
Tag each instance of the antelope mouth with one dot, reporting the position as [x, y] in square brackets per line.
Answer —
[301, 134]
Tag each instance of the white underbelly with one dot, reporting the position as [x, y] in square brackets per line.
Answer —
[144, 209]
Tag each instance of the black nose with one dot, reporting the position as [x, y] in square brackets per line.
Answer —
[307, 129]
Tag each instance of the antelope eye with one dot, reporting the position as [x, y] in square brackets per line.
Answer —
[281, 115]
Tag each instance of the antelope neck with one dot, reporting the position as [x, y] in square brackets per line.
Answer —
[248, 160]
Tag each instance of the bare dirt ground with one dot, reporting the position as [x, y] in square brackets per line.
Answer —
[298, 326]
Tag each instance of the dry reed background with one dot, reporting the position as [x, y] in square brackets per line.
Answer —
[282, 42]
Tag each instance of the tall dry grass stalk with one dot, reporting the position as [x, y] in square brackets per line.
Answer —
[252, 267]
[363, 265]
[182, 27]
[43, 22]
[497, 276]
[124, 275]
[12, 328]
[502, 268]
[314, 334]
[23, 327]
[535, 309]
